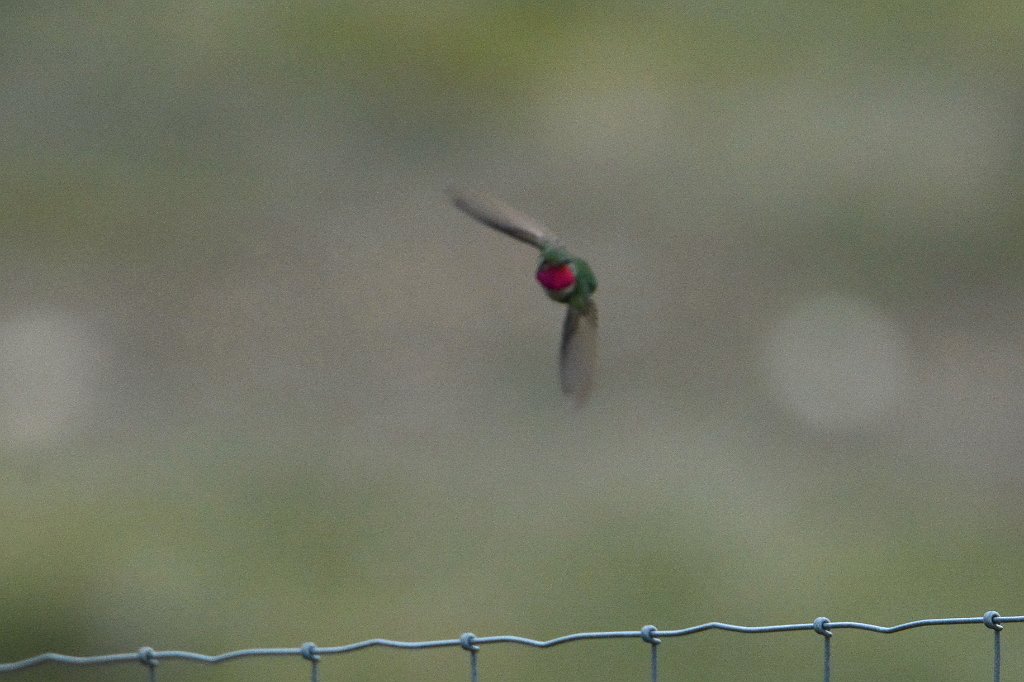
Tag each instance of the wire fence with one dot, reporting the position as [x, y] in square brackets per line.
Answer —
[649, 635]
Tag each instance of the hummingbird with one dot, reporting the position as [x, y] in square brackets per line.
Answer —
[564, 278]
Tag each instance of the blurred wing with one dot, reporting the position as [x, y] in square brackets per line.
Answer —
[495, 213]
[578, 355]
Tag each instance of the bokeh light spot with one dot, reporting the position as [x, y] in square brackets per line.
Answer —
[837, 362]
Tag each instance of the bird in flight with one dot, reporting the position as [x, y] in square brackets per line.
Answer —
[564, 278]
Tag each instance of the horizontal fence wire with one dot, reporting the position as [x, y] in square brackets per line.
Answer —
[649, 635]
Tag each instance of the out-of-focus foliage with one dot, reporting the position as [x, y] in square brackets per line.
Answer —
[260, 384]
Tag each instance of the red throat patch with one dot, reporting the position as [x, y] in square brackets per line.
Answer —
[556, 277]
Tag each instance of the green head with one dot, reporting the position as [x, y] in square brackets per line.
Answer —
[553, 254]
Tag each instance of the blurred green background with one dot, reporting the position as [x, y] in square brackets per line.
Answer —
[260, 384]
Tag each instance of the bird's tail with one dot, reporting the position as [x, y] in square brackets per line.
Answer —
[578, 352]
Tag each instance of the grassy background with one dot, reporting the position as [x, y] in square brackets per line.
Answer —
[260, 384]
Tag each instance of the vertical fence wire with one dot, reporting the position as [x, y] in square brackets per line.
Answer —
[997, 662]
[309, 653]
[466, 641]
[147, 657]
[647, 634]
[990, 619]
[820, 626]
[827, 662]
